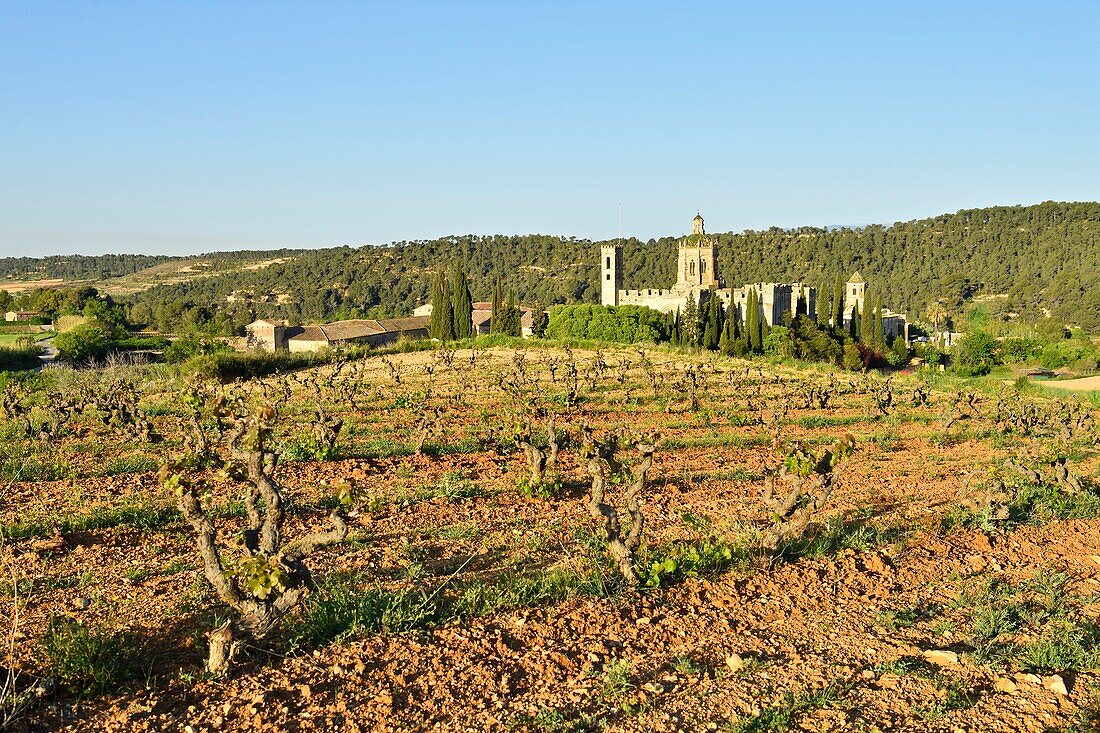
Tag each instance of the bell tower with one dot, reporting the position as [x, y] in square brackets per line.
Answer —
[611, 273]
[698, 261]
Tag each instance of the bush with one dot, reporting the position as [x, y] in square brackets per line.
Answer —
[778, 342]
[89, 660]
[88, 341]
[192, 345]
[975, 355]
[228, 366]
[814, 342]
[853, 357]
[625, 324]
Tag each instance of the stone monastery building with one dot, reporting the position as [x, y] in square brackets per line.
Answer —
[696, 275]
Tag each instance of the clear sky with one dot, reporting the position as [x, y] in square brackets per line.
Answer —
[187, 127]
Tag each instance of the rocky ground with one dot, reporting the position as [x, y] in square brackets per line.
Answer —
[920, 600]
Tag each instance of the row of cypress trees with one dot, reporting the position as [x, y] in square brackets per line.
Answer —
[724, 328]
[721, 328]
[452, 307]
[507, 316]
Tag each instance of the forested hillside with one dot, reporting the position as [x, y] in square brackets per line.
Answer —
[1043, 258]
[77, 267]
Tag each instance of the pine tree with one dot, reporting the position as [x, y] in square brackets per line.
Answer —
[462, 305]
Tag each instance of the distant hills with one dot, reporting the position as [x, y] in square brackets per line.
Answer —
[1039, 260]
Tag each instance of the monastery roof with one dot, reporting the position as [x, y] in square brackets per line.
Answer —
[856, 278]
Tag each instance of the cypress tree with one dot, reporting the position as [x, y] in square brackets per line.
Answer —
[752, 314]
[712, 332]
[446, 317]
[439, 295]
[725, 343]
[513, 323]
[838, 303]
[539, 319]
[462, 306]
[497, 321]
[763, 329]
[867, 322]
[677, 336]
[689, 325]
[880, 340]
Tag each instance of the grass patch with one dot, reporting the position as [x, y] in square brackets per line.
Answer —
[343, 608]
[89, 660]
[785, 713]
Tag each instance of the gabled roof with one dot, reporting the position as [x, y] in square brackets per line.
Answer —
[359, 328]
[856, 278]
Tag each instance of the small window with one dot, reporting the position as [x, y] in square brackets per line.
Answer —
[609, 263]
[609, 276]
[692, 268]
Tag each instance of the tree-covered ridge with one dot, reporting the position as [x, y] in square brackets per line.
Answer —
[77, 267]
[1038, 259]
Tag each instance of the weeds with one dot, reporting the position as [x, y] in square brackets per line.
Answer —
[89, 660]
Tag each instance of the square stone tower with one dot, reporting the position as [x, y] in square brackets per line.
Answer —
[698, 261]
[611, 273]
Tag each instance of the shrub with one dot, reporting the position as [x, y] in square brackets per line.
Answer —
[228, 366]
[88, 341]
[90, 660]
[975, 355]
[620, 324]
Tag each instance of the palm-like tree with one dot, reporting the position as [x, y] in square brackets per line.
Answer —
[936, 312]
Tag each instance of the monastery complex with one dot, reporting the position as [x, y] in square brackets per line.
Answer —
[697, 277]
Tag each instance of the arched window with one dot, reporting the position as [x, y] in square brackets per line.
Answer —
[691, 269]
[703, 267]
[609, 263]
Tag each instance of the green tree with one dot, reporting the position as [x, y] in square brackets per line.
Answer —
[837, 313]
[87, 341]
[879, 337]
[462, 306]
[689, 323]
[867, 322]
[539, 319]
[441, 323]
[712, 331]
[499, 320]
[752, 318]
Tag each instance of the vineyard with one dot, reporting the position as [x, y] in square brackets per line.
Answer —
[547, 539]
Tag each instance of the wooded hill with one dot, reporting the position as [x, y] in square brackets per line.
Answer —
[1041, 259]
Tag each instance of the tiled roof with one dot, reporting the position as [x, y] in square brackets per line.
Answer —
[360, 328]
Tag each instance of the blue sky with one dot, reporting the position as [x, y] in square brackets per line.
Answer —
[187, 127]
